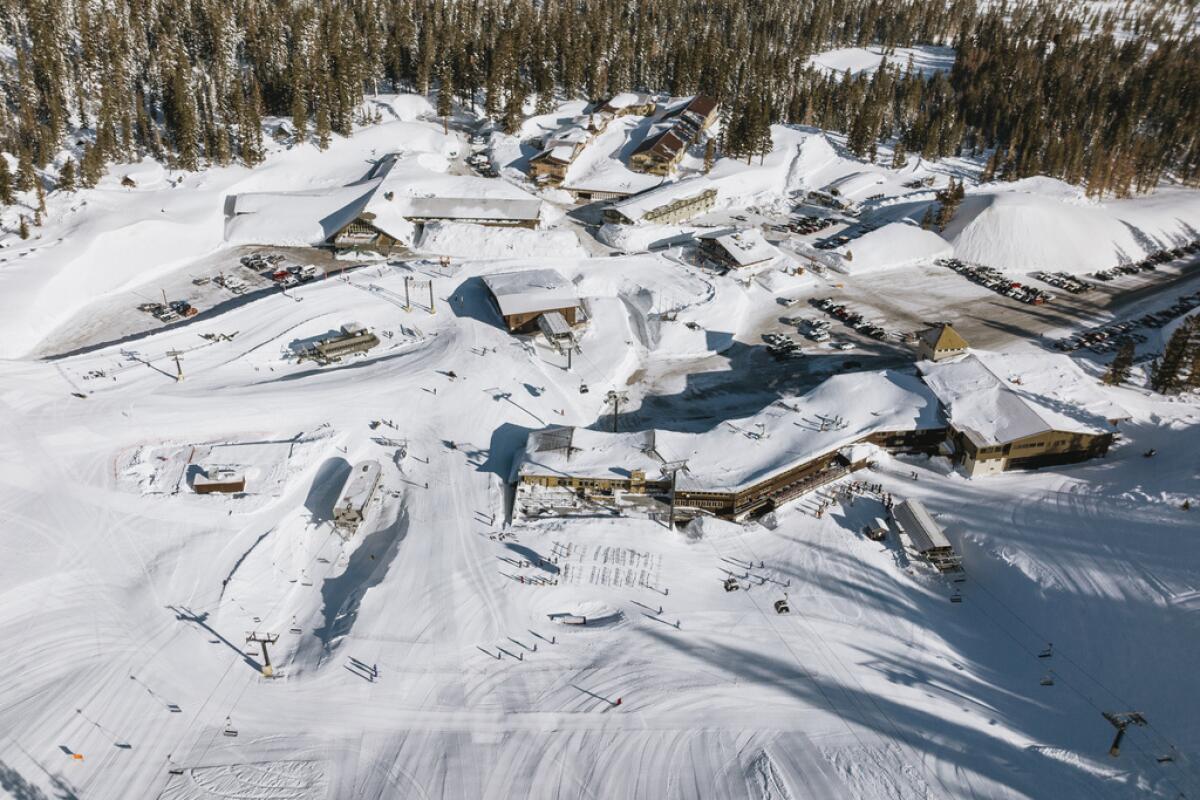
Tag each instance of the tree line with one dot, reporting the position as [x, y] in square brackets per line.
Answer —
[1103, 96]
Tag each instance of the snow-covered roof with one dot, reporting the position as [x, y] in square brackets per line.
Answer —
[923, 532]
[741, 453]
[999, 398]
[626, 99]
[944, 337]
[531, 290]
[746, 247]
[636, 207]
[360, 485]
[855, 184]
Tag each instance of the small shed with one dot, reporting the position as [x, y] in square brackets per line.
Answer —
[926, 536]
[351, 506]
[222, 480]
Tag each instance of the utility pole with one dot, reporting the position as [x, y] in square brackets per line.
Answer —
[264, 639]
[432, 310]
[178, 366]
[616, 398]
[1122, 720]
[673, 468]
[407, 304]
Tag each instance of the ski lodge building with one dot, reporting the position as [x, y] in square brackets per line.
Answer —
[666, 204]
[561, 148]
[1026, 411]
[379, 212]
[748, 467]
[523, 298]
[741, 468]
[664, 147]
[630, 103]
[738, 249]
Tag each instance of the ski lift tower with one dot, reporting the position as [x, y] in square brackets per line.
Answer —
[264, 639]
[616, 399]
[673, 468]
[1122, 720]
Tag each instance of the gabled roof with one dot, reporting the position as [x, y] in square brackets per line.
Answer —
[998, 398]
[531, 290]
[944, 337]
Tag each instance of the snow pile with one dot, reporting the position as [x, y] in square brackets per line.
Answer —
[480, 241]
[896, 245]
[1044, 224]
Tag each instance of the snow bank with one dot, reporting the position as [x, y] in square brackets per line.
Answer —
[899, 244]
[1046, 224]
[480, 241]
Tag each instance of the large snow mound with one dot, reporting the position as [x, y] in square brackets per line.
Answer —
[1046, 224]
[896, 245]
[480, 241]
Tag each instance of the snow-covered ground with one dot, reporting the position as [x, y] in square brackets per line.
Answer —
[421, 656]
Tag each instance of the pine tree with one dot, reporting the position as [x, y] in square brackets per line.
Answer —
[899, 159]
[25, 175]
[710, 154]
[6, 187]
[23, 228]
[1166, 377]
[66, 176]
[928, 220]
[445, 100]
[1122, 364]
[91, 166]
[41, 198]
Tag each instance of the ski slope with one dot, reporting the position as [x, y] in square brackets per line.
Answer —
[421, 656]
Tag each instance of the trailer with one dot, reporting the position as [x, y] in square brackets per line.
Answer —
[351, 506]
[926, 536]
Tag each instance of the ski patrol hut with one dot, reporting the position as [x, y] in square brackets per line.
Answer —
[926, 536]
[351, 506]
[940, 343]
[524, 297]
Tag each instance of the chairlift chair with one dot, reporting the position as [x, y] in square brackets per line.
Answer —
[782, 607]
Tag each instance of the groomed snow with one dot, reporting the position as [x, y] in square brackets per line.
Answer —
[925, 60]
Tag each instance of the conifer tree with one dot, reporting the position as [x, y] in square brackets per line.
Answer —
[23, 228]
[66, 176]
[25, 175]
[6, 188]
[1167, 377]
[1122, 363]
[445, 100]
